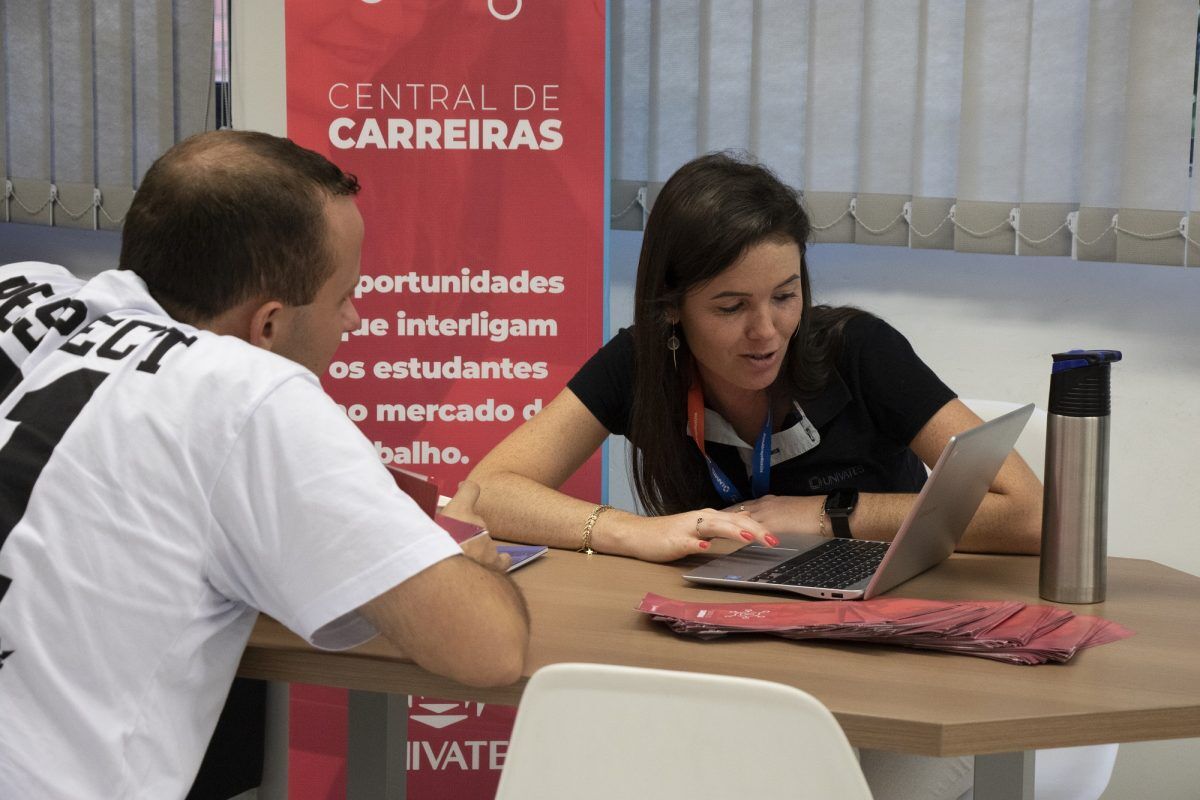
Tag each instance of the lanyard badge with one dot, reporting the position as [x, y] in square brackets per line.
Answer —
[760, 469]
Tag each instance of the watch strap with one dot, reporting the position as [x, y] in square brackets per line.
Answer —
[838, 507]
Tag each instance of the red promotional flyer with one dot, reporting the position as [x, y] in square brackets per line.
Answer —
[476, 128]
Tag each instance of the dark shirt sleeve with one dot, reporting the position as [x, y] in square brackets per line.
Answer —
[605, 383]
[900, 391]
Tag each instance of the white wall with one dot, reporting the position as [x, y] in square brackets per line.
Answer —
[83, 252]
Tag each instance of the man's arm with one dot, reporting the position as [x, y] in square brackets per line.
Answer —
[461, 617]
[458, 619]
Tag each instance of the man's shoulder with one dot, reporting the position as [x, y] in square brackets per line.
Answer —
[37, 269]
[230, 367]
[30, 283]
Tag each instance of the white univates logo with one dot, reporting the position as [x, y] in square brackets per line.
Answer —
[500, 15]
[516, 4]
[440, 714]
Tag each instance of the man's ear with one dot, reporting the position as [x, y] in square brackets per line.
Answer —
[265, 325]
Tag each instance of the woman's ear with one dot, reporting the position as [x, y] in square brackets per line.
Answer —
[265, 325]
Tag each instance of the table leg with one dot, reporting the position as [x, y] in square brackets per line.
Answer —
[1004, 776]
[275, 766]
[377, 746]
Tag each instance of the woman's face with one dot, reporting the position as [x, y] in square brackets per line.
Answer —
[738, 324]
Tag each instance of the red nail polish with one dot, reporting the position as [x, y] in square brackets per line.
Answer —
[703, 545]
[748, 536]
[771, 540]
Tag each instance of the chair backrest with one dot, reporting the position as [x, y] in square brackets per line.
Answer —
[588, 731]
[1031, 444]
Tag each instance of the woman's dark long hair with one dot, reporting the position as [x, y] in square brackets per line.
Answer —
[707, 215]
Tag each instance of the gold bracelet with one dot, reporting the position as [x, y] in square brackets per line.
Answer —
[586, 547]
[821, 521]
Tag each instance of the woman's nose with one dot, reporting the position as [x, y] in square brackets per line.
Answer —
[760, 325]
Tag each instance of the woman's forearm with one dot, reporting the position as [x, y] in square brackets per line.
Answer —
[1001, 525]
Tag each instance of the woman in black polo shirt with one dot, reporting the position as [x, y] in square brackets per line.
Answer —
[751, 411]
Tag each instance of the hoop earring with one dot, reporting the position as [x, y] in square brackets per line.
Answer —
[673, 345]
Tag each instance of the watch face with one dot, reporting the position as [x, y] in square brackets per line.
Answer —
[841, 501]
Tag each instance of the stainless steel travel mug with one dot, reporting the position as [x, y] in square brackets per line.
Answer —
[1075, 495]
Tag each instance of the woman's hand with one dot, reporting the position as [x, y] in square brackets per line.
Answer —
[786, 514]
[672, 537]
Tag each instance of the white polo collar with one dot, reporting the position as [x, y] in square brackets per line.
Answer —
[795, 440]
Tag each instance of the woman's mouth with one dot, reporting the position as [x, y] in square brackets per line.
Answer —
[760, 359]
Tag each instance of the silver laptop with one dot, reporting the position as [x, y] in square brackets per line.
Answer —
[856, 569]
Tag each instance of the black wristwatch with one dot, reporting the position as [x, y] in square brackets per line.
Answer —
[839, 505]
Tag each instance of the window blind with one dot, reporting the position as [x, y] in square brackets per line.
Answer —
[92, 92]
[1032, 127]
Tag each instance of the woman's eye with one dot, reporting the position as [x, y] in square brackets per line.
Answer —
[729, 309]
[783, 298]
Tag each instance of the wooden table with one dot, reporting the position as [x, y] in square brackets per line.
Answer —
[1143, 688]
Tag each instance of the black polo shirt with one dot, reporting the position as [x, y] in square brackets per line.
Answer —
[880, 397]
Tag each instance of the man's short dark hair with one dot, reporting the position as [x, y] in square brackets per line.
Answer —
[228, 216]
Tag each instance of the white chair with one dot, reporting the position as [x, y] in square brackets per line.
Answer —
[592, 731]
[1066, 773]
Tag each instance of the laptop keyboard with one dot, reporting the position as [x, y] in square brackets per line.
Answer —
[835, 564]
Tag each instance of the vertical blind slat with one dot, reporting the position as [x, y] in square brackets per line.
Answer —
[889, 96]
[1105, 103]
[630, 89]
[154, 83]
[834, 92]
[1054, 97]
[4, 103]
[782, 72]
[1104, 113]
[995, 74]
[71, 60]
[1192, 256]
[675, 76]
[935, 171]
[192, 56]
[1158, 123]
[114, 93]
[939, 113]
[30, 157]
[29, 118]
[728, 62]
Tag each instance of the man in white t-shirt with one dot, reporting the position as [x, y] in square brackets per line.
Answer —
[169, 466]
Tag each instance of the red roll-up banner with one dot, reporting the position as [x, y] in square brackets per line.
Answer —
[476, 128]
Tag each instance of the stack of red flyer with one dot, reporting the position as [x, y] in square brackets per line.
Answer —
[1002, 630]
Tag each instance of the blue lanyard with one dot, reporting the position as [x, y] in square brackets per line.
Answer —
[760, 467]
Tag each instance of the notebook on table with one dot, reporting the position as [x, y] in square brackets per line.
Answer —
[521, 554]
[857, 569]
